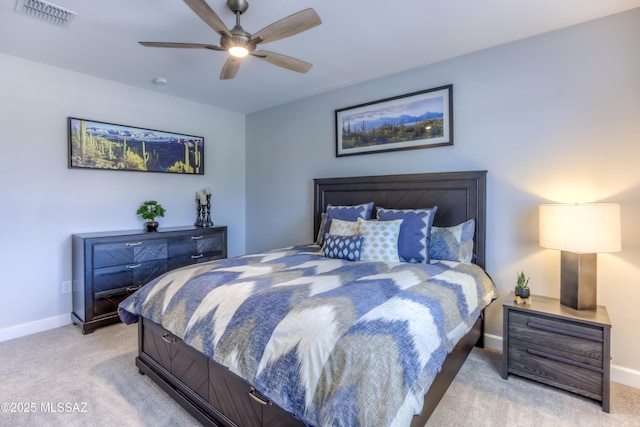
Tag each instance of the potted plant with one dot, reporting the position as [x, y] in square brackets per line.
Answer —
[149, 210]
[522, 287]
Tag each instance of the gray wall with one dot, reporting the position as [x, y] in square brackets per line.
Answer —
[553, 118]
[44, 202]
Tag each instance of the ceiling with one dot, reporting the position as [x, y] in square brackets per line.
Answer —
[357, 41]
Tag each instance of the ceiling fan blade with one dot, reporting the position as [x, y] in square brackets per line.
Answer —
[202, 9]
[289, 26]
[182, 45]
[230, 68]
[283, 61]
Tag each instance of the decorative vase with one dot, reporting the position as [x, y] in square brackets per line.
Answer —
[522, 292]
[152, 225]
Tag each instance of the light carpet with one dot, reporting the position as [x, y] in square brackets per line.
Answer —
[61, 377]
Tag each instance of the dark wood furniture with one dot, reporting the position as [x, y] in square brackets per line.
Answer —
[110, 266]
[548, 342]
[217, 397]
[209, 391]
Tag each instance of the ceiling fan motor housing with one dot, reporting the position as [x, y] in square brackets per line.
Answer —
[239, 38]
[240, 6]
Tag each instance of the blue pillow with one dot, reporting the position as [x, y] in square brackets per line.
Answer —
[342, 247]
[415, 231]
[345, 213]
[350, 213]
[453, 243]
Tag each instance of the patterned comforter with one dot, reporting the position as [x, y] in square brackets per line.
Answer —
[335, 343]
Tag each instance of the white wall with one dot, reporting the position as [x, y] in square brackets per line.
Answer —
[44, 202]
[552, 118]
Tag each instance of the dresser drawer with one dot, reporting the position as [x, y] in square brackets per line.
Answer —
[196, 244]
[134, 251]
[555, 368]
[106, 303]
[128, 275]
[197, 247]
[580, 339]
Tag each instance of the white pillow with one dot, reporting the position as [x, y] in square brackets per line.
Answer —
[380, 240]
[341, 227]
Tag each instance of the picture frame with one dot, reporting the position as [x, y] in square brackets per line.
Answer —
[422, 119]
[109, 146]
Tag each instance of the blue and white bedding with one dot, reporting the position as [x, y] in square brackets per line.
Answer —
[334, 342]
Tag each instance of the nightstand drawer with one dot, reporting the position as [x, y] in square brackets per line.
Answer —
[557, 369]
[580, 339]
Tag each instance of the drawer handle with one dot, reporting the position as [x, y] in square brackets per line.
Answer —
[169, 338]
[197, 256]
[129, 244]
[133, 288]
[260, 400]
[196, 237]
[563, 359]
[133, 266]
[542, 327]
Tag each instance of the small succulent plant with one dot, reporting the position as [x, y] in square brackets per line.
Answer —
[523, 281]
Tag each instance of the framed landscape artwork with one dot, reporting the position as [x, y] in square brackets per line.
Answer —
[99, 145]
[416, 120]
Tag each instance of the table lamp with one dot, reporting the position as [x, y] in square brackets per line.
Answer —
[580, 231]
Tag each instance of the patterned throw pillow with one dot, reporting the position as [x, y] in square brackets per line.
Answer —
[347, 213]
[380, 240]
[340, 227]
[342, 247]
[415, 231]
[453, 243]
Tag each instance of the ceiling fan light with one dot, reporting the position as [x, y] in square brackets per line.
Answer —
[238, 51]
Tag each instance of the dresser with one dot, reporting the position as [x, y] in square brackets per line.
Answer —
[110, 266]
[556, 345]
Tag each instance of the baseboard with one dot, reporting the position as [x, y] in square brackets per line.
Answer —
[29, 328]
[493, 341]
[626, 376]
[619, 374]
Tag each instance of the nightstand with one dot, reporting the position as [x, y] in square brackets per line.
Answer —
[556, 345]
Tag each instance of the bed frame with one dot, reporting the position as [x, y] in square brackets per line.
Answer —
[217, 397]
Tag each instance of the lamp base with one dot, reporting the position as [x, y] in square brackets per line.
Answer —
[578, 280]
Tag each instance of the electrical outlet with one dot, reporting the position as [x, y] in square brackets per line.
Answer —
[66, 287]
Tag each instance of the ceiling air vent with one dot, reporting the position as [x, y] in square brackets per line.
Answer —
[46, 12]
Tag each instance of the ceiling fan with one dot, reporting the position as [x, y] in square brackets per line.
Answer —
[239, 43]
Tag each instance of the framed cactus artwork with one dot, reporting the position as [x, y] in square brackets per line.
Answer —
[421, 119]
[100, 145]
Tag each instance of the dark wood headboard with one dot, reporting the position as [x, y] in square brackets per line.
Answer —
[459, 196]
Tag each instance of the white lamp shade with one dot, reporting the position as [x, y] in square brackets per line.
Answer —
[580, 228]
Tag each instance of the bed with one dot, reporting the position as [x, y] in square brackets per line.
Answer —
[210, 355]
